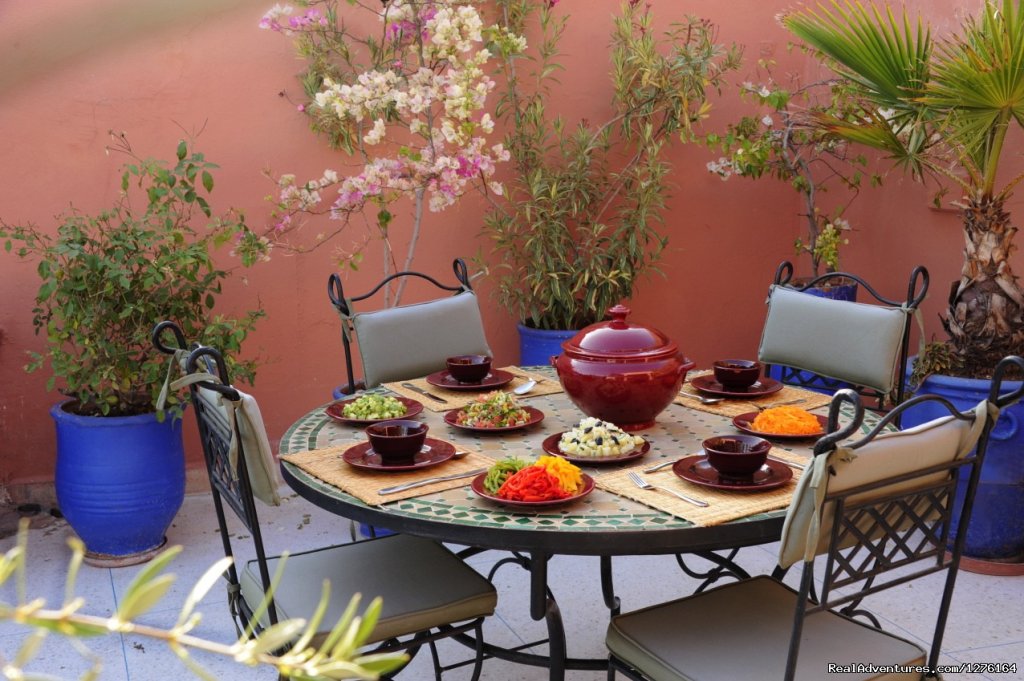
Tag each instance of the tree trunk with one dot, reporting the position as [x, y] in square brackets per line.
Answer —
[985, 320]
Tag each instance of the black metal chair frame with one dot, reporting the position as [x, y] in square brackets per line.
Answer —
[917, 288]
[232, 486]
[336, 293]
[887, 533]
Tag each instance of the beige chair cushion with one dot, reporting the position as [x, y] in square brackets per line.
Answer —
[414, 340]
[422, 584]
[847, 341]
[808, 521]
[741, 632]
[264, 474]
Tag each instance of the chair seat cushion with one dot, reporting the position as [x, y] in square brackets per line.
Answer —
[422, 583]
[741, 631]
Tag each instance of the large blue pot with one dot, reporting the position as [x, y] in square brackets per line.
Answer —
[538, 346]
[120, 480]
[996, 530]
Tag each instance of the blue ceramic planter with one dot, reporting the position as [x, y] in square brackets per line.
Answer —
[996, 530]
[120, 481]
[538, 346]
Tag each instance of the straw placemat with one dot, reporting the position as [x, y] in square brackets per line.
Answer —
[456, 399]
[722, 507]
[729, 407]
[328, 465]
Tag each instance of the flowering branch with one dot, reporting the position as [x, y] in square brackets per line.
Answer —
[410, 103]
[780, 142]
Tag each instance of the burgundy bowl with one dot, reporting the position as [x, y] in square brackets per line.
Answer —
[621, 372]
[397, 440]
[737, 374]
[736, 456]
[469, 368]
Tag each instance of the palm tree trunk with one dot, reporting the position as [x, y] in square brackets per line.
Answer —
[986, 307]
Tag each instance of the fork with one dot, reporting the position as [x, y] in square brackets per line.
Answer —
[762, 407]
[643, 484]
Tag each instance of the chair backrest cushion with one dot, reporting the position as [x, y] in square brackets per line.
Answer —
[847, 341]
[806, 532]
[414, 340]
[221, 416]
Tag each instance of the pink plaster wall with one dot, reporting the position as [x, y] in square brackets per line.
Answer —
[72, 69]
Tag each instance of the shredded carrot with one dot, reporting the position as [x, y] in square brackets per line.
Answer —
[786, 421]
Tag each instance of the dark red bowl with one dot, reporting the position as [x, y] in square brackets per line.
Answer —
[397, 440]
[737, 373]
[469, 368]
[737, 456]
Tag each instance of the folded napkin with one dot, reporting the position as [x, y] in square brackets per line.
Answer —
[327, 465]
[723, 505]
[456, 399]
[734, 407]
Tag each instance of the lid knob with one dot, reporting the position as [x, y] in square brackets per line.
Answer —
[618, 314]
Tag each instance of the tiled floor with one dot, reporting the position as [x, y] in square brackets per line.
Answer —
[986, 622]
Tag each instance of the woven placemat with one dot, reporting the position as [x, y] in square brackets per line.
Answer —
[327, 465]
[456, 399]
[797, 397]
[723, 505]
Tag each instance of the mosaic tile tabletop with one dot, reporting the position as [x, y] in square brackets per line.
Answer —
[678, 432]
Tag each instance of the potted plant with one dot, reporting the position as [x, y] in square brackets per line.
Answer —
[946, 109]
[579, 228]
[106, 278]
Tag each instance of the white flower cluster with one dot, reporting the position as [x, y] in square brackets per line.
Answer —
[723, 167]
[372, 92]
[453, 30]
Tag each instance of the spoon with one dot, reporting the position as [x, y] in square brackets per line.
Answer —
[525, 387]
[703, 400]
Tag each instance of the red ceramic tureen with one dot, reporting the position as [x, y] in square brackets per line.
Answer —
[621, 372]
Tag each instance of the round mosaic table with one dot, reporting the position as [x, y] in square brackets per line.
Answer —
[603, 524]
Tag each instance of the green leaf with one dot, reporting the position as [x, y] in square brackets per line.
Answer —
[144, 597]
[207, 181]
[182, 150]
[202, 587]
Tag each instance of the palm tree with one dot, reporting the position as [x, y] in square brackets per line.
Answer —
[943, 108]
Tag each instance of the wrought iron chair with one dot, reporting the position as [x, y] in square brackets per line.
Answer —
[821, 343]
[428, 593]
[409, 340]
[878, 511]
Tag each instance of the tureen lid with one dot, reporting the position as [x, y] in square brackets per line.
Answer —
[617, 339]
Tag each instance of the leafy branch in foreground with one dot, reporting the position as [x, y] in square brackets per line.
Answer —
[287, 645]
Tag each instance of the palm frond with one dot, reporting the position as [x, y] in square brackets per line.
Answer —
[978, 81]
[888, 58]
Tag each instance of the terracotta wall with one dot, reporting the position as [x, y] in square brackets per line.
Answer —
[72, 69]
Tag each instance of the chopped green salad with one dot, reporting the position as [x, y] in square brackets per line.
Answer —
[370, 407]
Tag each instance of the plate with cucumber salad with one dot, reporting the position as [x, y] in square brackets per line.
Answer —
[372, 408]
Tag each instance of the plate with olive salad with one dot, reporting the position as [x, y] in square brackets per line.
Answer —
[372, 408]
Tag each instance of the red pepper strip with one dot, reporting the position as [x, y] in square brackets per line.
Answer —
[532, 483]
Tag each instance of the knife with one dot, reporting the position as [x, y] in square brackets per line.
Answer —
[429, 481]
[423, 392]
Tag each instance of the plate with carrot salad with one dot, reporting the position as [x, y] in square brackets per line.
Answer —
[783, 423]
